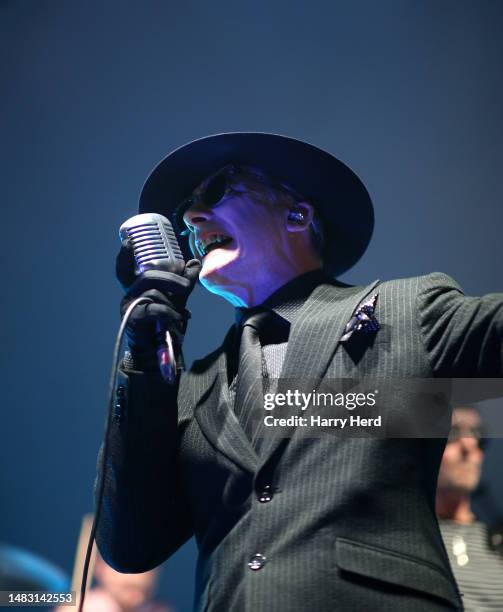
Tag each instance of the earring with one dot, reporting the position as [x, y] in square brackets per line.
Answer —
[297, 217]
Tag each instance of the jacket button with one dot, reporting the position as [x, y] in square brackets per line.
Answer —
[266, 494]
[119, 409]
[121, 391]
[257, 562]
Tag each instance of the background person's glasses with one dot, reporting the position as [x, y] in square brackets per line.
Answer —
[477, 433]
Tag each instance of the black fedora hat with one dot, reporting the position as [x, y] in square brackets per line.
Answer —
[335, 191]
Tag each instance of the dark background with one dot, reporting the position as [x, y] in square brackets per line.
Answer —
[408, 93]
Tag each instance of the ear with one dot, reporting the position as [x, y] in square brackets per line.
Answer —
[299, 217]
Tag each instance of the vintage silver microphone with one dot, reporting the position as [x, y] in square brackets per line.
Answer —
[155, 247]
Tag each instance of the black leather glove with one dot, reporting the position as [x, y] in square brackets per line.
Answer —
[169, 293]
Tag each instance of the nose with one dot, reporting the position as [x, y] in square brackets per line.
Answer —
[196, 213]
[468, 443]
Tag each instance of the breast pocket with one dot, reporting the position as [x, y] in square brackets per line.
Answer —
[396, 569]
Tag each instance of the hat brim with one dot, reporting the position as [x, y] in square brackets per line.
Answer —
[338, 195]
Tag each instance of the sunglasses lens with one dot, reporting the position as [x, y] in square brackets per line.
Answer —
[215, 190]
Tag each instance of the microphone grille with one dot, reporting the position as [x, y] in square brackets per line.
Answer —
[154, 243]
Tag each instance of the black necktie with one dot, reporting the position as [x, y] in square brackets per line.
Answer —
[248, 404]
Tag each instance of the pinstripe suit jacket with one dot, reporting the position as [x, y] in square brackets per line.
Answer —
[351, 522]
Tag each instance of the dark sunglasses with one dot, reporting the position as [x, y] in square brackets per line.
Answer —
[219, 187]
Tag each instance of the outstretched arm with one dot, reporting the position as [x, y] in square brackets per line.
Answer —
[462, 335]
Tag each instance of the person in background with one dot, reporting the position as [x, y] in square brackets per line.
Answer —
[476, 563]
[116, 592]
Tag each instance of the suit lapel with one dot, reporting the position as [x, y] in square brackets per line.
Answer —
[215, 415]
[317, 330]
[314, 338]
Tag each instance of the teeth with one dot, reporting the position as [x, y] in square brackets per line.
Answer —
[202, 245]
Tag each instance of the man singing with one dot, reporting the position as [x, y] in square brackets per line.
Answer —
[284, 523]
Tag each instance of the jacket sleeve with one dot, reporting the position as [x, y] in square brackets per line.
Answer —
[145, 516]
[462, 335]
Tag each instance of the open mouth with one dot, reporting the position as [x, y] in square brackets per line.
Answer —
[212, 242]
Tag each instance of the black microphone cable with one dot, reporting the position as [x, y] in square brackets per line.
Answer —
[104, 458]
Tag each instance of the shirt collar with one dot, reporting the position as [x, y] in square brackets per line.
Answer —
[288, 299]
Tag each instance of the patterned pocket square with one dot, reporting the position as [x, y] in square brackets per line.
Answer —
[362, 320]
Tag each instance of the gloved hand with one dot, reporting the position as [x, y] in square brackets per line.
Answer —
[169, 293]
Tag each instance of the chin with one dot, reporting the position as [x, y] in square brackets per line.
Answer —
[463, 485]
[225, 278]
[217, 266]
